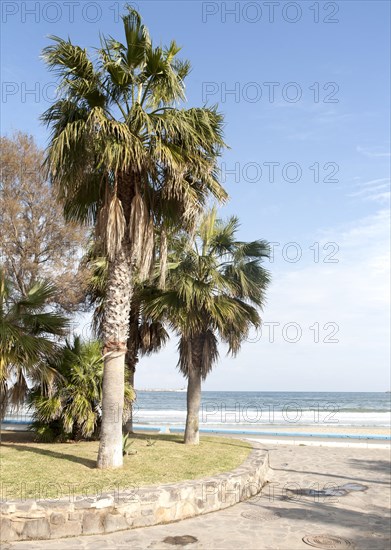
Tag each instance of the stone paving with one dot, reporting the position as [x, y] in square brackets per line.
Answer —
[348, 497]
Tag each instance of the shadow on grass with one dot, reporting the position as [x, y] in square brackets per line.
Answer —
[53, 454]
[173, 438]
[178, 438]
[91, 464]
[9, 436]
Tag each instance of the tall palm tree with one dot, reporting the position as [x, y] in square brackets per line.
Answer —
[215, 290]
[124, 156]
[28, 337]
[69, 406]
[146, 336]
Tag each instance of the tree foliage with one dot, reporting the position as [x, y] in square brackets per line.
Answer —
[36, 242]
[215, 290]
[69, 406]
[29, 334]
[122, 154]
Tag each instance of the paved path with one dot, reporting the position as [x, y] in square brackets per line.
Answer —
[278, 518]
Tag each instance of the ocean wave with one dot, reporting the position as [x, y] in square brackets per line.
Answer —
[257, 418]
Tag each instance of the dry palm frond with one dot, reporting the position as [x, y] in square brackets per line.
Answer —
[163, 258]
[145, 335]
[115, 227]
[210, 353]
[146, 260]
[137, 225]
[102, 217]
[141, 236]
[101, 223]
[185, 362]
[18, 392]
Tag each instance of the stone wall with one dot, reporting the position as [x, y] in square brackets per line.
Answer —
[46, 519]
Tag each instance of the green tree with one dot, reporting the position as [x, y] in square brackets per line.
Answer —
[125, 157]
[69, 406]
[36, 243]
[215, 289]
[29, 334]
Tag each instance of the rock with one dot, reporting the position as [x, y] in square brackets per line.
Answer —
[200, 504]
[17, 525]
[57, 519]
[115, 522]
[7, 533]
[165, 515]
[129, 510]
[92, 523]
[185, 510]
[36, 529]
[147, 512]
[148, 496]
[8, 509]
[66, 529]
[74, 516]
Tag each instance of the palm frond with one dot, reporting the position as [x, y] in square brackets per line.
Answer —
[115, 228]
[27, 339]
[215, 288]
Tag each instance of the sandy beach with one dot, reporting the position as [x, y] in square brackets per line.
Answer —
[324, 429]
[364, 430]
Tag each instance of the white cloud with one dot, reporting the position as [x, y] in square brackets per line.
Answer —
[377, 190]
[373, 152]
[352, 295]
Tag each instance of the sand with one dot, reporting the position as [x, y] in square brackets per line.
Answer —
[333, 429]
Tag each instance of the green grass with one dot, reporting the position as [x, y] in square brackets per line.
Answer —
[55, 470]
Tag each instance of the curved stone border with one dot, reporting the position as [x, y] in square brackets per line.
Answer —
[51, 519]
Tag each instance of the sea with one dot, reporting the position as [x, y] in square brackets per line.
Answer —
[248, 410]
[255, 410]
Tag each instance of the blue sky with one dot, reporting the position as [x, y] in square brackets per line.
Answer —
[305, 93]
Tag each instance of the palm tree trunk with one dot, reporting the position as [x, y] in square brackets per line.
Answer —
[129, 423]
[3, 401]
[192, 434]
[115, 333]
[131, 358]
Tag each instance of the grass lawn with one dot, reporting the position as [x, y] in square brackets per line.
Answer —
[56, 470]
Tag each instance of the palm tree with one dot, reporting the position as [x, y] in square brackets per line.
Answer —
[28, 337]
[146, 336]
[215, 288]
[69, 406]
[125, 157]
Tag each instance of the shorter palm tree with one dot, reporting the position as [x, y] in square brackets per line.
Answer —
[146, 337]
[215, 288]
[29, 334]
[69, 407]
